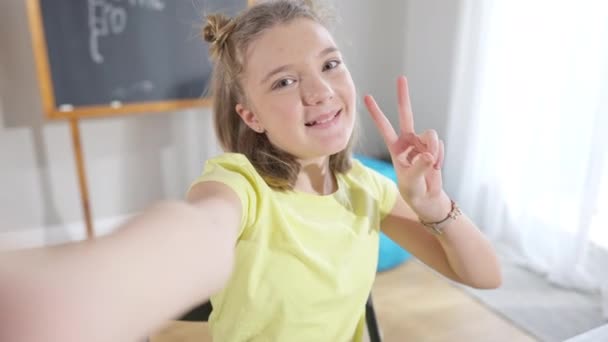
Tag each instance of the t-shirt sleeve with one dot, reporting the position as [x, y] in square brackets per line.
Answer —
[388, 194]
[385, 189]
[236, 172]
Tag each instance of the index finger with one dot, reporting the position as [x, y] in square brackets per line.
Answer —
[406, 117]
[384, 126]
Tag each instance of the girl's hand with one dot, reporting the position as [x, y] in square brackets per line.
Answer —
[417, 158]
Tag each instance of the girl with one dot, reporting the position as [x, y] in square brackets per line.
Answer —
[281, 231]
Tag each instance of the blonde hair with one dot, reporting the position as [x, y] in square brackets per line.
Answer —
[229, 38]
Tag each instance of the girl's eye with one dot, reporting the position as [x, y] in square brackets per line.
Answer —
[331, 65]
[283, 83]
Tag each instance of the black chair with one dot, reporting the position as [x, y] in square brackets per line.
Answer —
[201, 314]
[372, 324]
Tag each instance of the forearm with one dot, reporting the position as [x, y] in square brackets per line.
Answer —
[470, 254]
[119, 287]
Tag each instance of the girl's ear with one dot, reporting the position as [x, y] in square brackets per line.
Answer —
[249, 118]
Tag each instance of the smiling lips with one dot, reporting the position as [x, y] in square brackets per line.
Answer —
[324, 119]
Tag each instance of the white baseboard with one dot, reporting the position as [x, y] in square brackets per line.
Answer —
[56, 234]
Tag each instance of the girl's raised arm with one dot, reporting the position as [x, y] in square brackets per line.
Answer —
[123, 286]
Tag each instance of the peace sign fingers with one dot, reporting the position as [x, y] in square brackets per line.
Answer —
[406, 119]
[417, 159]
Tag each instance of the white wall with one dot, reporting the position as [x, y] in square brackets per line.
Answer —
[133, 161]
[431, 43]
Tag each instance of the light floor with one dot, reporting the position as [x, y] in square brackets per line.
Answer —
[412, 304]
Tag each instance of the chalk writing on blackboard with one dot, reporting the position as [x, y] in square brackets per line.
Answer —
[141, 87]
[109, 17]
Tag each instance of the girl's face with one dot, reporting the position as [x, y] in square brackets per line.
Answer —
[298, 90]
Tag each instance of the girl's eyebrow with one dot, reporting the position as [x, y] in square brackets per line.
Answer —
[282, 68]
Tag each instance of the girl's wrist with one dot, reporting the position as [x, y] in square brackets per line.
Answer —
[434, 210]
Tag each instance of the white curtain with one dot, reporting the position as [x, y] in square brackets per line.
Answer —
[528, 133]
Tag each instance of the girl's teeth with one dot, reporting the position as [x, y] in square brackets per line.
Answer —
[320, 122]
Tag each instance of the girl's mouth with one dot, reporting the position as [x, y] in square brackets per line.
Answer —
[324, 123]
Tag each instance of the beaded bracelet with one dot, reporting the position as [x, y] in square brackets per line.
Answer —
[434, 227]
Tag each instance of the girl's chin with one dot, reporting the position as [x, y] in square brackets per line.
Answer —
[334, 146]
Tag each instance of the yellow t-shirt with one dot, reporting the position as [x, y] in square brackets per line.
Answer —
[305, 263]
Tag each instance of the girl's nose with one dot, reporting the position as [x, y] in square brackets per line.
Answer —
[316, 91]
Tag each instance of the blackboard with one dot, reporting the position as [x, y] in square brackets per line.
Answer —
[109, 54]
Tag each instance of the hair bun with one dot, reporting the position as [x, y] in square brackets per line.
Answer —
[216, 27]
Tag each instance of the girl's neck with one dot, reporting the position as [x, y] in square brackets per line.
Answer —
[316, 177]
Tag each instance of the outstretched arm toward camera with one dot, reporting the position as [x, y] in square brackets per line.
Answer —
[125, 285]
